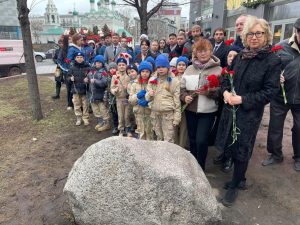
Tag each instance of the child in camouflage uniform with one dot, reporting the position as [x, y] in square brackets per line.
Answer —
[118, 88]
[140, 105]
[163, 95]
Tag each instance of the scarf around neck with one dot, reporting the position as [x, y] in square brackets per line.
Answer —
[251, 53]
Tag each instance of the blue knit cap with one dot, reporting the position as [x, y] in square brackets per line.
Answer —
[162, 61]
[145, 66]
[78, 54]
[182, 59]
[121, 60]
[150, 59]
[99, 58]
[132, 67]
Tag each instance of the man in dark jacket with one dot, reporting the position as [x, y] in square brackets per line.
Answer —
[196, 35]
[220, 50]
[290, 57]
[239, 26]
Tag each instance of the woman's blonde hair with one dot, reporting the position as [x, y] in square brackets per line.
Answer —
[250, 23]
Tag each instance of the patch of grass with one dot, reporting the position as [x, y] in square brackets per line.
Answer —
[8, 110]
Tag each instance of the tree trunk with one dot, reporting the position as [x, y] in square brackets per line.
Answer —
[33, 87]
[143, 19]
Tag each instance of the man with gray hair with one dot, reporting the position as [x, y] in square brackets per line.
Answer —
[289, 52]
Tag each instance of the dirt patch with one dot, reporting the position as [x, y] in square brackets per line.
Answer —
[37, 156]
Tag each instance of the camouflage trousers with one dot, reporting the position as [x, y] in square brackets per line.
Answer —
[163, 125]
[81, 101]
[123, 109]
[100, 110]
[181, 136]
[144, 126]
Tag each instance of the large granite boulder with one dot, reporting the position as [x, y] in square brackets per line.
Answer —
[122, 181]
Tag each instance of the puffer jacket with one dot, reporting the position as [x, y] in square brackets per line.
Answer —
[118, 86]
[136, 87]
[290, 63]
[97, 89]
[166, 95]
[194, 78]
[79, 71]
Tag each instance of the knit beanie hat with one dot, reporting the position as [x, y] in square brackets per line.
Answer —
[99, 58]
[112, 65]
[182, 59]
[162, 61]
[145, 66]
[121, 60]
[150, 59]
[132, 67]
[173, 62]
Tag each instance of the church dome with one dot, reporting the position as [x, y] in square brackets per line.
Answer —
[106, 1]
[113, 3]
[75, 13]
[92, 1]
[99, 3]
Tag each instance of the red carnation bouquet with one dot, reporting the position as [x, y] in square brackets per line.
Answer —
[235, 130]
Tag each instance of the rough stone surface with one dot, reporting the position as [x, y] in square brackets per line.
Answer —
[122, 181]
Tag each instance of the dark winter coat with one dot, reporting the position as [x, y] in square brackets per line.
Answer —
[72, 51]
[222, 53]
[88, 54]
[97, 89]
[257, 81]
[237, 45]
[138, 58]
[79, 71]
[290, 59]
[176, 52]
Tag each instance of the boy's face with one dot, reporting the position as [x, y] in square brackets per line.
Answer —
[98, 65]
[162, 71]
[181, 67]
[112, 71]
[79, 59]
[132, 73]
[145, 74]
[180, 40]
[172, 40]
[122, 67]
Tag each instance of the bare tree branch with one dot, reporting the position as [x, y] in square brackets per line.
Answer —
[155, 9]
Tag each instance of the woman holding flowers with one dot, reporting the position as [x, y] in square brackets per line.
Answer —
[247, 87]
[200, 93]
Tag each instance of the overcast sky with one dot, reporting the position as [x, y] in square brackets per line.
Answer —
[65, 6]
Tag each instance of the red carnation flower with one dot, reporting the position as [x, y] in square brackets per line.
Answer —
[67, 61]
[143, 80]
[229, 41]
[116, 82]
[154, 81]
[93, 72]
[213, 81]
[104, 73]
[224, 71]
[205, 87]
[113, 73]
[118, 77]
[231, 72]
[276, 48]
[184, 51]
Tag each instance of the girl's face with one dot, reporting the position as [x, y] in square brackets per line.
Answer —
[145, 74]
[112, 71]
[144, 46]
[162, 44]
[122, 67]
[181, 67]
[230, 57]
[132, 73]
[162, 71]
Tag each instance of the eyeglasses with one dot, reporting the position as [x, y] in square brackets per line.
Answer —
[258, 34]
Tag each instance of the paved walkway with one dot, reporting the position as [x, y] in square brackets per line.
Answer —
[45, 67]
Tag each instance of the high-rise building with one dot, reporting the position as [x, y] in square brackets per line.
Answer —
[9, 23]
[171, 11]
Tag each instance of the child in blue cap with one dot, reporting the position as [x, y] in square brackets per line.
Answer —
[140, 104]
[163, 96]
[97, 78]
[118, 88]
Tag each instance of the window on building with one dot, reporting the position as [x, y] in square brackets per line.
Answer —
[287, 11]
[288, 31]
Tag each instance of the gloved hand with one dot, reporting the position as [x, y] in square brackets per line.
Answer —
[142, 102]
[141, 94]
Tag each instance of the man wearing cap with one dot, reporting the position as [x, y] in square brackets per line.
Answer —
[112, 52]
[289, 52]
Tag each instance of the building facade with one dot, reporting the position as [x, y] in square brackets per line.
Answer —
[54, 25]
[281, 15]
[9, 23]
[171, 11]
